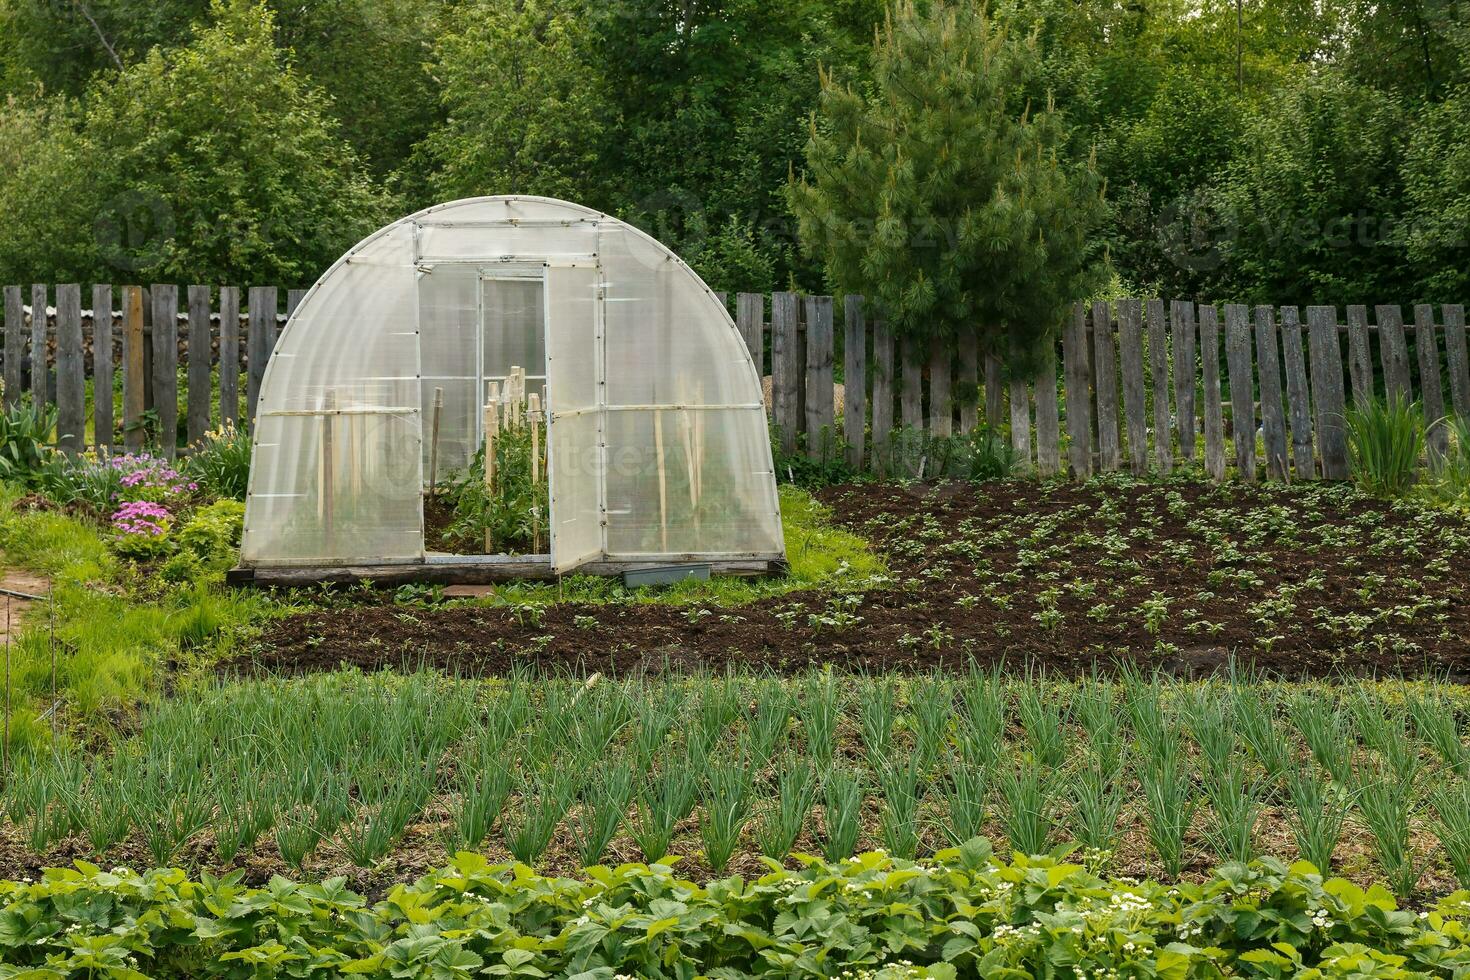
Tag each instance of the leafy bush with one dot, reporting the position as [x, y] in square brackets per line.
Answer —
[212, 533]
[141, 530]
[1385, 441]
[25, 432]
[87, 479]
[220, 462]
[514, 510]
[964, 913]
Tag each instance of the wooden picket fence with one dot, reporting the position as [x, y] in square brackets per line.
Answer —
[1142, 381]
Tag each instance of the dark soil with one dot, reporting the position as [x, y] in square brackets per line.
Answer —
[1308, 580]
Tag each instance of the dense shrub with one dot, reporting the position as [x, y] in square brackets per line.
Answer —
[963, 914]
[220, 462]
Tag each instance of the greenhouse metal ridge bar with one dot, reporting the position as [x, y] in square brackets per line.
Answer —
[342, 411]
[739, 406]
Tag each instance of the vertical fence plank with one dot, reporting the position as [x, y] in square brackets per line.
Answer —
[1360, 358]
[783, 364]
[1209, 355]
[911, 394]
[1130, 349]
[256, 350]
[750, 314]
[1395, 353]
[941, 402]
[854, 378]
[1242, 389]
[1430, 389]
[1269, 371]
[1181, 322]
[1327, 394]
[994, 394]
[968, 383]
[71, 377]
[1110, 452]
[40, 391]
[229, 354]
[1298, 395]
[819, 405]
[102, 366]
[15, 344]
[1158, 369]
[166, 365]
[1079, 395]
[134, 394]
[1048, 422]
[201, 363]
[1459, 361]
[295, 296]
[882, 392]
[1021, 421]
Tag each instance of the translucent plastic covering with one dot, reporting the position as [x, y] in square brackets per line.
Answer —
[657, 445]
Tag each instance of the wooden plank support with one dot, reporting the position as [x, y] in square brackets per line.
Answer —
[201, 364]
[819, 407]
[1298, 395]
[102, 366]
[1130, 349]
[1158, 369]
[1327, 394]
[1394, 351]
[784, 375]
[1273, 418]
[1431, 390]
[750, 315]
[166, 366]
[71, 375]
[1048, 422]
[941, 398]
[15, 345]
[911, 395]
[854, 379]
[1360, 357]
[1209, 352]
[1110, 452]
[1182, 327]
[1078, 391]
[1457, 358]
[229, 354]
[1020, 401]
[994, 394]
[260, 340]
[969, 380]
[1242, 389]
[40, 371]
[882, 394]
[134, 435]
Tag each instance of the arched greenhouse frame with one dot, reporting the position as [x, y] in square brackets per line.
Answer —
[657, 450]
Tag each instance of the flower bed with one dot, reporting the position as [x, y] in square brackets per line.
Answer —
[964, 913]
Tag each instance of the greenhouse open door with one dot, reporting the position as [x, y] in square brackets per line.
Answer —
[577, 415]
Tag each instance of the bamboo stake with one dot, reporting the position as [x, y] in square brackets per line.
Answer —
[5, 746]
[326, 489]
[51, 645]
[663, 480]
[533, 418]
[434, 438]
[492, 426]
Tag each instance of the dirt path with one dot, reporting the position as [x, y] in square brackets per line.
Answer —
[18, 580]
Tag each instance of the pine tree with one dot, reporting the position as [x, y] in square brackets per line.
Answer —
[943, 194]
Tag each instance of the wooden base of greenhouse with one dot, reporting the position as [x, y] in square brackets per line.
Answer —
[471, 570]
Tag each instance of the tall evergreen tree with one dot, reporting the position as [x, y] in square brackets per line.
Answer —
[944, 194]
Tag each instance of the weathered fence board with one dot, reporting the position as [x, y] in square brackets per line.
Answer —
[15, 318]
[1458, 359]
[229, 354]
[39, 389]
[200, 363]
[1130, 348]
[1181, 322]
[1298, 395]
[1394, 351]
[1079, 393]
[1158, 358]
[1360, 357]
[102, 374]
[1209, 353]
[969, 379]
[1048, 420]
[750, 315]
[941, 403]
[1273, 419]
[1430, 390]
[883, 379]
[1105, 382]
[134, 436]
[1020, 402]
[1242, 389]
[854, 378]
[1327, 394]
[994, 393]
[71, 376]
[911, 395]
[165, 361]
[819, 407]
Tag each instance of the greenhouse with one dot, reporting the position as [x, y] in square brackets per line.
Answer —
[451, 333]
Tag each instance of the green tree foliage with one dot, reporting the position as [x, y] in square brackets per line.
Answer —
[526, 107]
[1437, 181]
[1310, 206]
[209, 162]
[946, 195]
